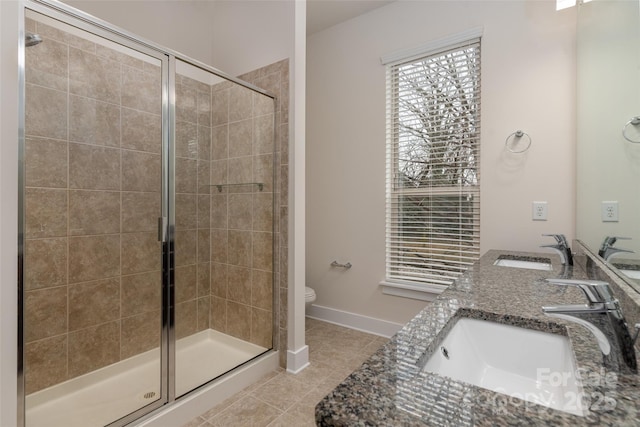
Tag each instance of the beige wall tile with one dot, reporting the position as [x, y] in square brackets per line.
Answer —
[186, 318]
[283, 142]
[186, 211]
[204, 215]
[218, 314]
[219, 279]
[141, 293]
[204, 245]
[141, 90]
[240, 211]
[263, 134]
[240, 248]
[186, 247]
[240, 103]
[45, 363]
[140, 333]
[118, 56]
[262, 289]
[45, 263]
[241, 170]
[219, 206]
[203, 313]
[46, 163]
[45, 313]
[219, 169]
[47, 64]
[51, 33]
[283, 306]
[94, 168]
[239, 320]
[204, 279]
[263, 171]
[262, 104]
[239, 284]
[93, 76]
[94, 257]
[94, 122]
[94, 212]
[220, 142]
[140, 252]
[186, 175]
[204, 142]
[263, 211]
[186, 282]
[141, 131]
[240, 138]
[187, 140]
[261, 327]
[219, 245]
[204, 108]
[220, 107]
[186, 104]
[93, 348]
[141, 171]
[204, 177]
[92, 303]
[45, 213]
[262, 247]
[45, 112]
[140, 212]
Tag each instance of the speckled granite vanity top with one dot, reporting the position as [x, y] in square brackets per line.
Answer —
[390, 389]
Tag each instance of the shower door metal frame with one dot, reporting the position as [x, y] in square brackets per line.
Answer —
[168, 58]
[85, 22]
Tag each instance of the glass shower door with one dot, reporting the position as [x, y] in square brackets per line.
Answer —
[224, 225]
[93, 185]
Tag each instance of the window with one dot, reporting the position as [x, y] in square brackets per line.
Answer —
[433, 181]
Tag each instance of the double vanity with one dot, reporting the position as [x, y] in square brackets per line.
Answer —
[485, 353]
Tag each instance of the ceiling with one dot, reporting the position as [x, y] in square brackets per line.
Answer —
[322, 14]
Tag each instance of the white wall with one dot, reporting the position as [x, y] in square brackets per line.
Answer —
[528, 73]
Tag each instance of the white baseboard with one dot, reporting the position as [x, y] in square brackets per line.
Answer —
[384, 328]
[297, 360]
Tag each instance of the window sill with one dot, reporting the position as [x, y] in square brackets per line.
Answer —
[423, 292]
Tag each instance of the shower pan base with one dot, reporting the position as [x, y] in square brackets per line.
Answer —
[96, 399]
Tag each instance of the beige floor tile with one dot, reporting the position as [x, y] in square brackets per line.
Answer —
[281, 399]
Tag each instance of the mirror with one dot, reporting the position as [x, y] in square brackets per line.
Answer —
[608, 120]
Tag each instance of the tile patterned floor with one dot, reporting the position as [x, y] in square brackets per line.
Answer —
[281, 399]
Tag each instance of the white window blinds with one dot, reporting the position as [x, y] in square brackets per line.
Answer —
[433, 180]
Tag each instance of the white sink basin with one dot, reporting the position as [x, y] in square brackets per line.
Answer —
[517, 263]
[532, 365]
[632, 274]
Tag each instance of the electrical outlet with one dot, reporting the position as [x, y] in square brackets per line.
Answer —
[609, 211]
[539, 211]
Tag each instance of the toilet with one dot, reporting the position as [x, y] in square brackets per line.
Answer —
[309, 297]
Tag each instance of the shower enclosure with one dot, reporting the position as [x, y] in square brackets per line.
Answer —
[147, 222]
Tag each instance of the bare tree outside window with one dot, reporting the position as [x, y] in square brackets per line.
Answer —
[433, 196]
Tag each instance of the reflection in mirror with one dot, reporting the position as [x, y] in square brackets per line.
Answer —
[608, 102]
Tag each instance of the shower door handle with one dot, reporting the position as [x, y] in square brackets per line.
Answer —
[162, 229]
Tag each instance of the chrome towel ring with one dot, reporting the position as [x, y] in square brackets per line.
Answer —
[516, 139]
[635, 121]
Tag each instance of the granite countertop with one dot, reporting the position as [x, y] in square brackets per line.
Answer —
[390, 389]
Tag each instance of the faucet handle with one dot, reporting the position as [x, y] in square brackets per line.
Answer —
[560, 238]
[596, 291]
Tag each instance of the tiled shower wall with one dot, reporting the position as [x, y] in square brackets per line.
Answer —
[274, 78]
[92, 260]
[93, 167]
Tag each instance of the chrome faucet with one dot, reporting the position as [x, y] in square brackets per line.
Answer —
[603, 316]
[607, 251]
[562, 247]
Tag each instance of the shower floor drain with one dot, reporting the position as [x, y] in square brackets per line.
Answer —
[149, 395]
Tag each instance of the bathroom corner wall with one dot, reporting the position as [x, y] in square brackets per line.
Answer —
[93, 169]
